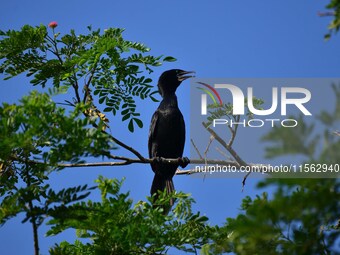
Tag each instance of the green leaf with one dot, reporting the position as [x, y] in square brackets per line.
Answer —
[102, 99]
[107, 109]
[130, 126]
[125, 117]
[138, 122]
[169, 59]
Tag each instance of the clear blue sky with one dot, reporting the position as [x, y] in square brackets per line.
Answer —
[216, 39]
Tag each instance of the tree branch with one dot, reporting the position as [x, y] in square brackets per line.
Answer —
[128, 161]
[31, 211]
[233, 131]
[229, 148]
[86, 88]
[225, 145]
[196, 149]
[326, 14]
[76, 87]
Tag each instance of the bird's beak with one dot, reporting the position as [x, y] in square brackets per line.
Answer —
[183, 75]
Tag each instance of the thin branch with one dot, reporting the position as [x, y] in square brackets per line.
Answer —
[31, 211]
[127, 161]
[86, 88]
[35, 228]
[233, 131]
[211, 139]
[68, 103]
[228, 147]
[86, 93]
[73, 82]
[76, 87]
[222, 153]
[244, 180]
[326, 14]
[225, 145]
[233, 135]
[56, 52]
[114, 139]
[196, 149]
[129, 148]
[121, 144]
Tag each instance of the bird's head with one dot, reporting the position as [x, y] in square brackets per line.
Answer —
[170, 80]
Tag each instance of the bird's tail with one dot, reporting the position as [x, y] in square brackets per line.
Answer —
[160, 183]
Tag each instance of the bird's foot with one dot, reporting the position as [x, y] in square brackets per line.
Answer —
[183, 162]
[157, 160]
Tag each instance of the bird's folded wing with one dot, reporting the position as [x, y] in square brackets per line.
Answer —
[153, 134]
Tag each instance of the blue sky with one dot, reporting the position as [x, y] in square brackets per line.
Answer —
[216, 39]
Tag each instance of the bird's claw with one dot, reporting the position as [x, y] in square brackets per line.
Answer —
[183, 162]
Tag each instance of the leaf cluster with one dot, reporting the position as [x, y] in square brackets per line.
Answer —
[104, 63]
[35, 136]
[116, 226]
[302, 215]
[334, 25]
[304, 140]
[301, 218]
[38, 129]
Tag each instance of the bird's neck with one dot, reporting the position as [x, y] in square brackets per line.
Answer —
[169, 100]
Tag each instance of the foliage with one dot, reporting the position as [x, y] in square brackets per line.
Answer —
[38, 136]
[302, 215]
[301, 218]
[116, 226]
[334, 25]
[103, 62]
[35, 136]
[305, 141]
[37, 128]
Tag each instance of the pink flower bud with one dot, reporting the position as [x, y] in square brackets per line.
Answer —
[53, 24]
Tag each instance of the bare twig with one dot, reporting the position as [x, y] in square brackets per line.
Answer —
[75, 87]
[229, 148]
[31, 211]
[121, 144]
[336, 133]
[244, 180]
[129, 148]
[225, 145]
[211, 139]
[56, 50]
[233, 131]
[222, 153]
[198, 152]
[326, 14]
[127, 161]
[86, 88]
